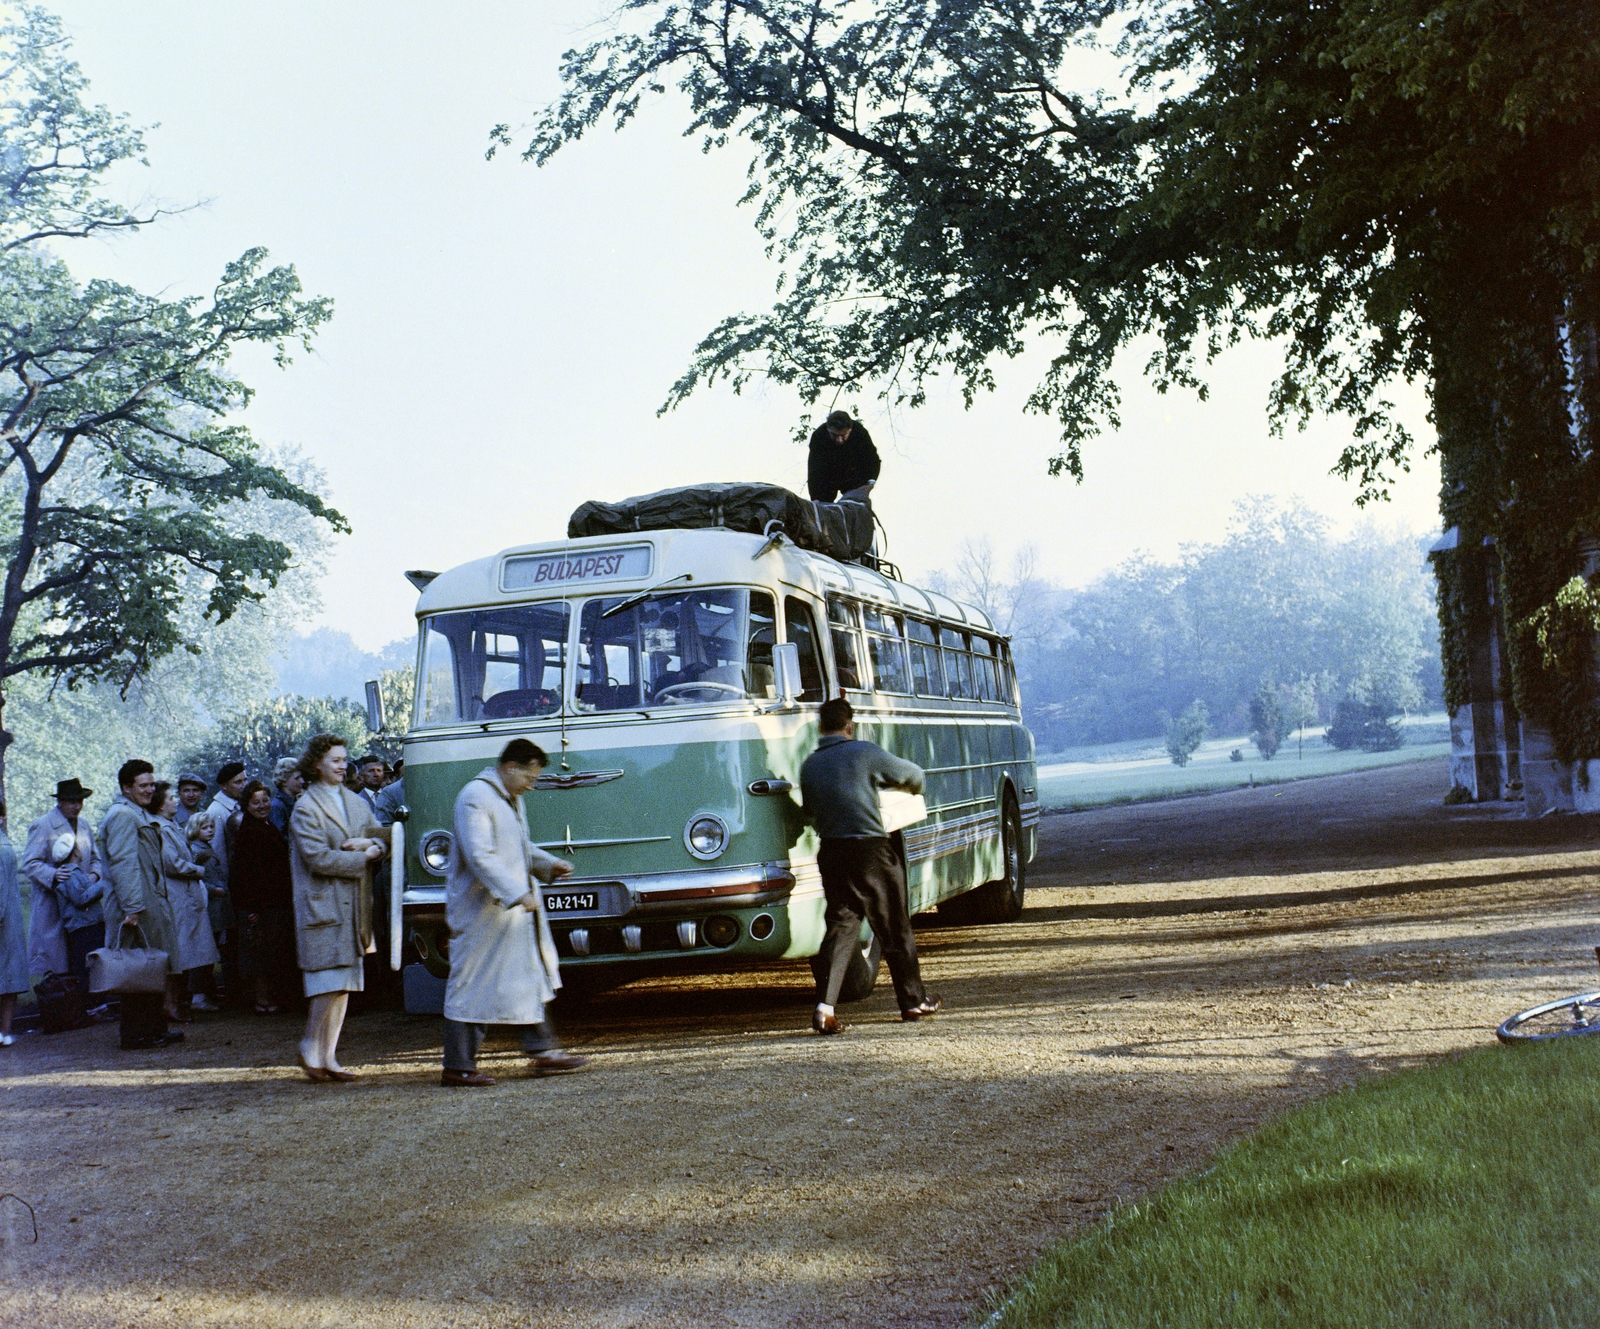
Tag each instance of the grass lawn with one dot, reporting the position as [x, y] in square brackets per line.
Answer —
[1420, 1200]
[1136, 772]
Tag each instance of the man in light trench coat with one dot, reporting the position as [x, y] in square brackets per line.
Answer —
[503, 966]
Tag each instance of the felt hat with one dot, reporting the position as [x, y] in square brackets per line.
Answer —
[70, 791]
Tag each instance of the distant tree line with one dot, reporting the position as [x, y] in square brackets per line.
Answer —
[1269, 629]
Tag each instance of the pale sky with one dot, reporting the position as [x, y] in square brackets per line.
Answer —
[503, 335]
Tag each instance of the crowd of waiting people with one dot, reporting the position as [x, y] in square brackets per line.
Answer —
[209, 882]
[231, 901]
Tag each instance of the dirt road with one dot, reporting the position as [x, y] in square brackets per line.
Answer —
[1183, 969]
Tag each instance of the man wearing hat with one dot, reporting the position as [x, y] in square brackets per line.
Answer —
[60, 862]
[842, 460]
[191, 792]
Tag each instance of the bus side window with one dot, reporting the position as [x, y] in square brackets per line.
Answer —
[801, 628]
[1007, 672]
[846, 645]
[925, 669]
[887, 650]
[957, 664]
[983, 663]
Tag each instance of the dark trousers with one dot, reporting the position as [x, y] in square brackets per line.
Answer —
[462, 1041]
[144, 1016]
[864, 879]
[80, 941]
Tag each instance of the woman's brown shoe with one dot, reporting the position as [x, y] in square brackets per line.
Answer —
[313, 1073]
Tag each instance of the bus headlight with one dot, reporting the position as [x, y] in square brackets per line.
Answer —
[434, 851]
[705, 836]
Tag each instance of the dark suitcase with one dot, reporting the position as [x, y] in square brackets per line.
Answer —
[63, 1004]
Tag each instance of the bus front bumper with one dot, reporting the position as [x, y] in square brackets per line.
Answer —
[706, 913]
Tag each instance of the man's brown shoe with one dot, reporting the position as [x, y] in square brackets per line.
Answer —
[826, 1024]
[930, 1005]
[465, 1079]
[556, 1062]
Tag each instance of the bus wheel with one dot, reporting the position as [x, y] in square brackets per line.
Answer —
[1000, 900]
[859, 979]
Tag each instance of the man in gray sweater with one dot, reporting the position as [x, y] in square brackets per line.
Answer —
[862, 876]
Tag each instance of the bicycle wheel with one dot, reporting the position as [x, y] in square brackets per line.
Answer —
[1555, 1019]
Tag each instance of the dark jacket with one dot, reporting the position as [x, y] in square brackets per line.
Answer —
[259, 877]
[836, 468]
[839, 785]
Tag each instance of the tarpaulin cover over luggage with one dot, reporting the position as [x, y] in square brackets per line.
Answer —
[840, 530]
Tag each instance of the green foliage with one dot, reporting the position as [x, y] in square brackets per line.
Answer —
[399, 688]
[1412, 1200]
[1388, 189]
[1267, 726]
[262, 732]
[1279, 596]
[1556, 649]
[1186, 732]
[123, 476]
[1316, 173]
[1365, 725]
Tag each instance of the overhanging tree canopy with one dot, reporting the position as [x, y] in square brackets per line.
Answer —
[118, 471]
[1392, 188]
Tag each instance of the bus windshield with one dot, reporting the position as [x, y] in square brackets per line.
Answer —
[492, 664]
[674, 649]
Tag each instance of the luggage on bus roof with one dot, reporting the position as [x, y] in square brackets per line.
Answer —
[840, 530]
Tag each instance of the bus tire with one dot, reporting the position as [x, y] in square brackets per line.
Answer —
[859, 979]
[1000, 900]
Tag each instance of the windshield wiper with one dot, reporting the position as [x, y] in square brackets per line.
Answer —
[644, 595]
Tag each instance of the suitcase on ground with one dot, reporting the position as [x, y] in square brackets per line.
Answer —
[63, 1004]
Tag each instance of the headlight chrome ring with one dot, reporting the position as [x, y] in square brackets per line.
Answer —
[434, 851]
[706, 835]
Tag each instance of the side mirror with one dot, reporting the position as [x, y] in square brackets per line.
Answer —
[374, 706]
[786, 672]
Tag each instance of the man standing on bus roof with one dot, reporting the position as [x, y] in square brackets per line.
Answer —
[503, 965]
[842, 462]
[862, 876]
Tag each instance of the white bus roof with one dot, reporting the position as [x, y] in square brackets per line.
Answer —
[713, 555]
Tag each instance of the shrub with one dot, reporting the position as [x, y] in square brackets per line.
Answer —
[1267, 720]
[1187, 732]
[1365, 725]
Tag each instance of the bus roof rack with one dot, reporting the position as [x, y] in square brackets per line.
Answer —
[882, 566]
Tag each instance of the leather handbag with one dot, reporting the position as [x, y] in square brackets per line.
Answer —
[128, 968]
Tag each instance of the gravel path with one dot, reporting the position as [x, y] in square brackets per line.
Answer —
[1183, 970]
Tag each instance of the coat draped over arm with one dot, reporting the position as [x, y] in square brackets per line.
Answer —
[503, 964]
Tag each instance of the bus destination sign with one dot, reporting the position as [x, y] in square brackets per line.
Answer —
[532, 571]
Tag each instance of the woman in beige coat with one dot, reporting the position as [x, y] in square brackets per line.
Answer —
[334, 841]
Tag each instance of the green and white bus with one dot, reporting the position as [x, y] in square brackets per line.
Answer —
[674, 678]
